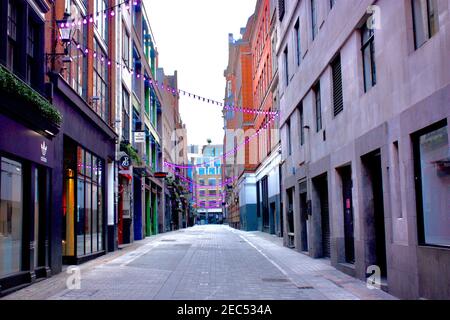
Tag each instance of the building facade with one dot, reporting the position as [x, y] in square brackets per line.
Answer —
[174, 136]
[254, 199]
[139, 105]
[29, 152]
[364, 96]
[207, 185]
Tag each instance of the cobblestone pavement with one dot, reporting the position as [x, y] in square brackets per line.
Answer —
[205, 262]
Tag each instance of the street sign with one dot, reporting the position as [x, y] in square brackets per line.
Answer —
[139, 137]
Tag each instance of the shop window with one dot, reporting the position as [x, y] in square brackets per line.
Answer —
[432, 159]
[83, 234]
[11, 216]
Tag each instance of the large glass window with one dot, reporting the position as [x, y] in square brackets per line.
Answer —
[89, 200]
[432, 152]
[426, 21]
[100, 89]
[75, 74]
[11, 215]
[101, 22]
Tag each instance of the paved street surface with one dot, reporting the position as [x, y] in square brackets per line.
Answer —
[205, 262]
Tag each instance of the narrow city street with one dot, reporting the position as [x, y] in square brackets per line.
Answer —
[205, 262]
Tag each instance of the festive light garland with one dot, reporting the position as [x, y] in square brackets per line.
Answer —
[225, 155]
[174, 91]
[193, 183]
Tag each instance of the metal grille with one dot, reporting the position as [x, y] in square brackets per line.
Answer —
[338, 99]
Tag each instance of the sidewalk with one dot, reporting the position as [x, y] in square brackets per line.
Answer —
[307, 272]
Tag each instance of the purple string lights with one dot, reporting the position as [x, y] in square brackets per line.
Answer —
[225, 155]
[165, 88]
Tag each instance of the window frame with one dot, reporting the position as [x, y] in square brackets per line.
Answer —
[415, 139]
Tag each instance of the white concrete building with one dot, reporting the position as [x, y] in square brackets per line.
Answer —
[365, 107]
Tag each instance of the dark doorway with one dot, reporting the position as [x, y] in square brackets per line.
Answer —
[374, 211]
[265, 204]
[347, 185]
[290, 218]
[304, 220]
[321, 185]
[273, 214]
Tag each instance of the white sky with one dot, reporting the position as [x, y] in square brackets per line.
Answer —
[192, 38]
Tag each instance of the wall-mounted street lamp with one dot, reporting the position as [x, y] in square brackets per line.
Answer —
[65, 31]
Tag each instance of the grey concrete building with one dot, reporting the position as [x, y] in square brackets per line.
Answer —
[365, 106]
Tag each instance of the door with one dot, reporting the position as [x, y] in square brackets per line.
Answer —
[304, 221]
[322, 191]
[265, 204]
[346, 176]
[374, 211]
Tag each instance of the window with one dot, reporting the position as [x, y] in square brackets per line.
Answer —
[314, 27]
[11, 216]
[12, 33]
[100, 88]
[201, 182]
[338, 99]
[126, 48]
[31, 38]
[432, 159]
[286, 66]
[368, 55]
[125, 115]
[101, 20]
[76, 75]
[211, 171]
[298, 42]
[302, 124]
[332, 3]
[89, 222]
[288, 134]
[426, 21]
[202, 193]
[212, 192]
[318, 107]
[212, 182]
[281, 9]
[201, 171]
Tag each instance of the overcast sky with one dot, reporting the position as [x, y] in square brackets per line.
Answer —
[192, 38]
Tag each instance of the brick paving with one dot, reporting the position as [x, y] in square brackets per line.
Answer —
[205, 262]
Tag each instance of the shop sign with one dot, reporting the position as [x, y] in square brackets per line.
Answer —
[44, 149]
[139, 137]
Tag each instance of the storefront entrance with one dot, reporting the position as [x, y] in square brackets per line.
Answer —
[83, 204]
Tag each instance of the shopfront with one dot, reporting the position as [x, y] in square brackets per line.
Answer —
[26, 162]
[83, 204]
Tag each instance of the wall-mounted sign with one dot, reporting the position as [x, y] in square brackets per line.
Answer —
[125, 163]
[160, 175]
[139, 137]
[44, 149]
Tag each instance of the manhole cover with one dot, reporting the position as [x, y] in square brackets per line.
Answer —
[275, 280]
[305, 287]
[168, 240]
[80, 294]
